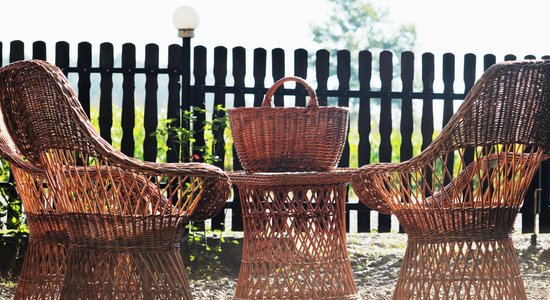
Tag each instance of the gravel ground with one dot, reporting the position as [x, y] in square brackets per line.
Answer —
[375, 259]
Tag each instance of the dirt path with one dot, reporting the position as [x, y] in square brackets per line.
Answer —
[375, 259]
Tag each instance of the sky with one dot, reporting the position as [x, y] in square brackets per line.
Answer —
[476, 26]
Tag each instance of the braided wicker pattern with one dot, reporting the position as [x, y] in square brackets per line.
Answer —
[458, 199]
[294, 236]
[293, 139]
[110, 202]
[134, 273]
[43, 269]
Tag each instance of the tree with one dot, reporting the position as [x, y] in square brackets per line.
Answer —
[357, 25]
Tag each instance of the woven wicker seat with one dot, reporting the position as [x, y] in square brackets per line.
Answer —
[458, 199]
[125, 217]
[43, 269]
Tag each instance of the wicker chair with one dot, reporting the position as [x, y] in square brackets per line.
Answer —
[125, 217]
[458, 199]
[43, 269]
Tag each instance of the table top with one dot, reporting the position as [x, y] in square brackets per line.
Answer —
[298, 179]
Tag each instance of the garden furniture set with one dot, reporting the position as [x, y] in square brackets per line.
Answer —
[103, 225]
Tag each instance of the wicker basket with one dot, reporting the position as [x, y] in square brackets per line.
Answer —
[276, 139]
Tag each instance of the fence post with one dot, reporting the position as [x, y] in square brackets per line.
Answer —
[39, 50]
[127, 143]
[84, 63]
[469, 81]
[364, 119]
[62, 56]
[106, 64]
[300, 70]
[385, 125]
[150, 116]
[173, 110]
[259, 73]
[17, 51]
[322, 73]
[278, 72]
[448, 105]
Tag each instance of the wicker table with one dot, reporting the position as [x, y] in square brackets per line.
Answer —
[294, 236]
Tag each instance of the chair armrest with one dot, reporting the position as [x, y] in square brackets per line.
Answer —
[369, 184]
[380, 185]
[215, 183]
[132, 187]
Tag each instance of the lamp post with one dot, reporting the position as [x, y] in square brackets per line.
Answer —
[186, 21]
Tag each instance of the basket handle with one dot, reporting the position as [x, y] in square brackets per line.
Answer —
[313, 101]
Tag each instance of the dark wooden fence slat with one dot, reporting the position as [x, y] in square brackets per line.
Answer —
[322, 65]
[528, 209]
[509, 57]
[196, 106]
[385, 124]
[469, 72]
[364, 119]
[407, 76]
[220, 74]
[469, 81]
[127, 143]
[62, 56]
[259, 73]
[239, 73]
[198, 102]
[448, 104]
[489, 60]
[427, 121]
[407, 123]
[300, 70]
[278, 72]
[544, 213]
[17, 51]
[173, 112]
[150, 116]
[448, 82]
[1, 56]
[39, 50]
[343, 73]
[84, 63]
[106, 64]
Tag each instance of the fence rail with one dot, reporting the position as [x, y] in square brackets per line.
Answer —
[353, 88]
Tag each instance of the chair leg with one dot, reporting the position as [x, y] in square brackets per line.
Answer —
[43, 270]
[94, 273]
[466, 269]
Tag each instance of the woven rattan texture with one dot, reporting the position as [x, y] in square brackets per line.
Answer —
[43, 270]
[458, 199]
[294, 236]
[111, 203]
[273, 139]
[109, 273]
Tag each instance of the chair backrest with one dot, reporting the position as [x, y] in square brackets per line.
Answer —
[509, 103]
[53, 131]
[44, 220]
[486, 155]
